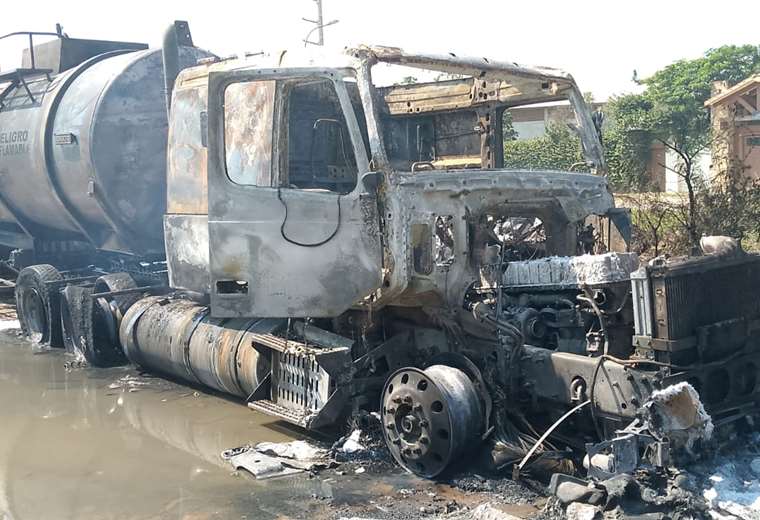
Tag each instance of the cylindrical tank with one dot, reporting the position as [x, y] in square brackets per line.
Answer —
[86, 158]
[179, 338]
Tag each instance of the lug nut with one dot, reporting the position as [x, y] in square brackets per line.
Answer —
[397, 400]
[406, 451]
[408, 399]
[424, 423]
[417, 407]
[390, 410]
[396, 441]
[390, 425]
[417, 451]
[424, 440]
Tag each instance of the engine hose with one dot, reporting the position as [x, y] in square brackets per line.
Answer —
[588, 299]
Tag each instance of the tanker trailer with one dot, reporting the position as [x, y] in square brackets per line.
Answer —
[83, 130]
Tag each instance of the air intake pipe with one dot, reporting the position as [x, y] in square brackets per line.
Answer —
[177, 35]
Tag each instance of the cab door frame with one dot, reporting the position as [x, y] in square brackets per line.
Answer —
[256, 269]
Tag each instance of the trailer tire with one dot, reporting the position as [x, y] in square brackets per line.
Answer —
[38, 305]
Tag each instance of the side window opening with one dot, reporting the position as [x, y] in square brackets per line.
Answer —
[542, 137]
[248, 132]
[311, 140]
[320, 154]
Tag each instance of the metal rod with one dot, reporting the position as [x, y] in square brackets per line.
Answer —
[129, 291]
[31, 54]
[320, 23]
[35, 33]
[26, 87]
[540, 441]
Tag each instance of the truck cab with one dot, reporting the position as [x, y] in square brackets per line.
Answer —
[302, 191]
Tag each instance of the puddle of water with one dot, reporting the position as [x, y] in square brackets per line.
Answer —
[112, 444]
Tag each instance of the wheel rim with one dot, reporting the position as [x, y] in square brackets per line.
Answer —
[35, 315]
[430, 417]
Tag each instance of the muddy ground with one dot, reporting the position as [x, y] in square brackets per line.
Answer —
[86, 443]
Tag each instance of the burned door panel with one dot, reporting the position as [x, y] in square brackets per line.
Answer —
[284, 243]
[187, 252]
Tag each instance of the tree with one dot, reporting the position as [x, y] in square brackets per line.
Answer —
[672, 111]
[508, 131]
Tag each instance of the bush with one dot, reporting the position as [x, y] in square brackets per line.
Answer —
[660, 220]
[557, 149]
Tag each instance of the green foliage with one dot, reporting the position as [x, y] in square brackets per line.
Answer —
[672, 111]
[661, 221]
[627, 157]
[730, 209]
[560, 149]
[508, 131]
[672, 107]
[557, 149]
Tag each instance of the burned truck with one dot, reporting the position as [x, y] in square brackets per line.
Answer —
[333, 245]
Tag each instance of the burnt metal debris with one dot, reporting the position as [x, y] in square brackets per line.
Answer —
[334, 245]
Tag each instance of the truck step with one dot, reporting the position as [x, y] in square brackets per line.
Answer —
[286, 414]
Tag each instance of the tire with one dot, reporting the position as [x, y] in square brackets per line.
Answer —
[107, 313]
[38, 304]
[118, 282]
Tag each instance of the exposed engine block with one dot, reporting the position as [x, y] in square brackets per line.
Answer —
[559, 272]
[572, 304]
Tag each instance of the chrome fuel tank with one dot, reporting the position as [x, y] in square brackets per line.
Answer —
[179, 338]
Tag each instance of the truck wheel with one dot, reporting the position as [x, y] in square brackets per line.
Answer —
[118, 282]
[108, 311]
[37, 304]
[430, 417]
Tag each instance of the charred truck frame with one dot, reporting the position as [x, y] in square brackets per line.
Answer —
[333, 245]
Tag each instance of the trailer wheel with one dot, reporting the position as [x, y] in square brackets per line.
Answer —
[430, 417]
[37, 304]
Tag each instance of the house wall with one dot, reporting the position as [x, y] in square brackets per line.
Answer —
[747, 145]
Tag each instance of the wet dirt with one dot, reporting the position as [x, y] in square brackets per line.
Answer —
[88, 443]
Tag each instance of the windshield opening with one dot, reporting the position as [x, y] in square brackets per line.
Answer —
[435, 120]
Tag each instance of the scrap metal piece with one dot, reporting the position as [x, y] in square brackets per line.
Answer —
[277, 459]
[671, 419]
[260, 465]
[676, 413]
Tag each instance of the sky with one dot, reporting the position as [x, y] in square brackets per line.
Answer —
[599, 42]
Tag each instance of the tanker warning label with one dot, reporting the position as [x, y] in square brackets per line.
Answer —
[14, 142]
